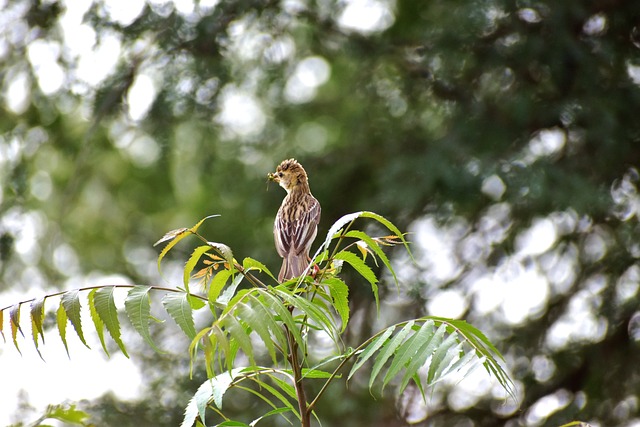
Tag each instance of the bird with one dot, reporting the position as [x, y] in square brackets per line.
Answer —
[296, 223]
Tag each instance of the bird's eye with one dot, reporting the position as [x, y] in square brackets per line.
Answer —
[280, 174]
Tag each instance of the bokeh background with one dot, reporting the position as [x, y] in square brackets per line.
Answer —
[504, 135]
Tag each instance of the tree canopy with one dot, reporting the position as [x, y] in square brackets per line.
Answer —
[504, 135]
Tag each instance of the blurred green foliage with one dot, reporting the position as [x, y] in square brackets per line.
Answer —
[417, 113]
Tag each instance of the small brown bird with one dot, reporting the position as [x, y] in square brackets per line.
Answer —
[296, 223]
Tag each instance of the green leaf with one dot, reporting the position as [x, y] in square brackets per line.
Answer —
[275, 411]
[251, 264]
[178, 307]
[218, 337]
[201, 339]
[314, 373]
[37, 316]
[335, 228]
[68, 414]
[484, 348]
[138, 309]
[217, 284]
[71, 303]
[212, 389]
[363, 269]
[99, 324]
[2, 325]
[407, 351]
[221, 383]
[283, 314]
[170, 235]
[196, 302]
[225, 251]
[240, 335]
[61, 320]
[463, 361]
[340, 294]
[442, 358]
[286, 387]
[105, 307]
[471, 331]
[191, 264]
[426, 349]
[388, 349]
[174, 236]
[373, 245]
[371, 349]
[14, 320]
[277, 394]
[269, 317]
[228, 297]
[382, 220]
[312, 309]
[260, 321]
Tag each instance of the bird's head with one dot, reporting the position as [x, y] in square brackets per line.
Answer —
[289, 174]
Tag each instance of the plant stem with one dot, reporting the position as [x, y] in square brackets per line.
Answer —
[305, 412]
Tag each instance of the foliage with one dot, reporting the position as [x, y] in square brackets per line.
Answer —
[66, 413]
[475, 124]
[280, 316]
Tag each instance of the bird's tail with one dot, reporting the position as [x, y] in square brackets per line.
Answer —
[292, 266]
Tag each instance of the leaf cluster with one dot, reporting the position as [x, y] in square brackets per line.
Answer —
[250, 311]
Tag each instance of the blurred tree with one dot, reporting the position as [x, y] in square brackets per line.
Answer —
[505, 134]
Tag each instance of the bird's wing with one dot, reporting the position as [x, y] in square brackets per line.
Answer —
[296, 236]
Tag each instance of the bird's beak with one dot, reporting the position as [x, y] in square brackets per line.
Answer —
[273, 177]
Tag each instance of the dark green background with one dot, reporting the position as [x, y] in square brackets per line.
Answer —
[416, 117]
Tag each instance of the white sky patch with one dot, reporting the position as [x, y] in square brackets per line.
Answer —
[184, 7]
[78, 38]
[28, 228]
[537, 239]
[596, 25]
[367, 16]
[124, 12]
[467, 392]
[43, 56]
[97, 65]
[529, 15]
[437, 247]
[525, 295]
[240, 112]
[634, 73]
[141, 95]
[544, 143]
[310, 73]
[65, 260]
[280, 50]
[519, 292]
[246, 41]
[206, 6]
[87, 374]
[449, 303]
[493, 187]
[580, 323]
[17, 93]
[546, 406]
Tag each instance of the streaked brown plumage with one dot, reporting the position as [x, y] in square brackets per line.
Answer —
[296, 223]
